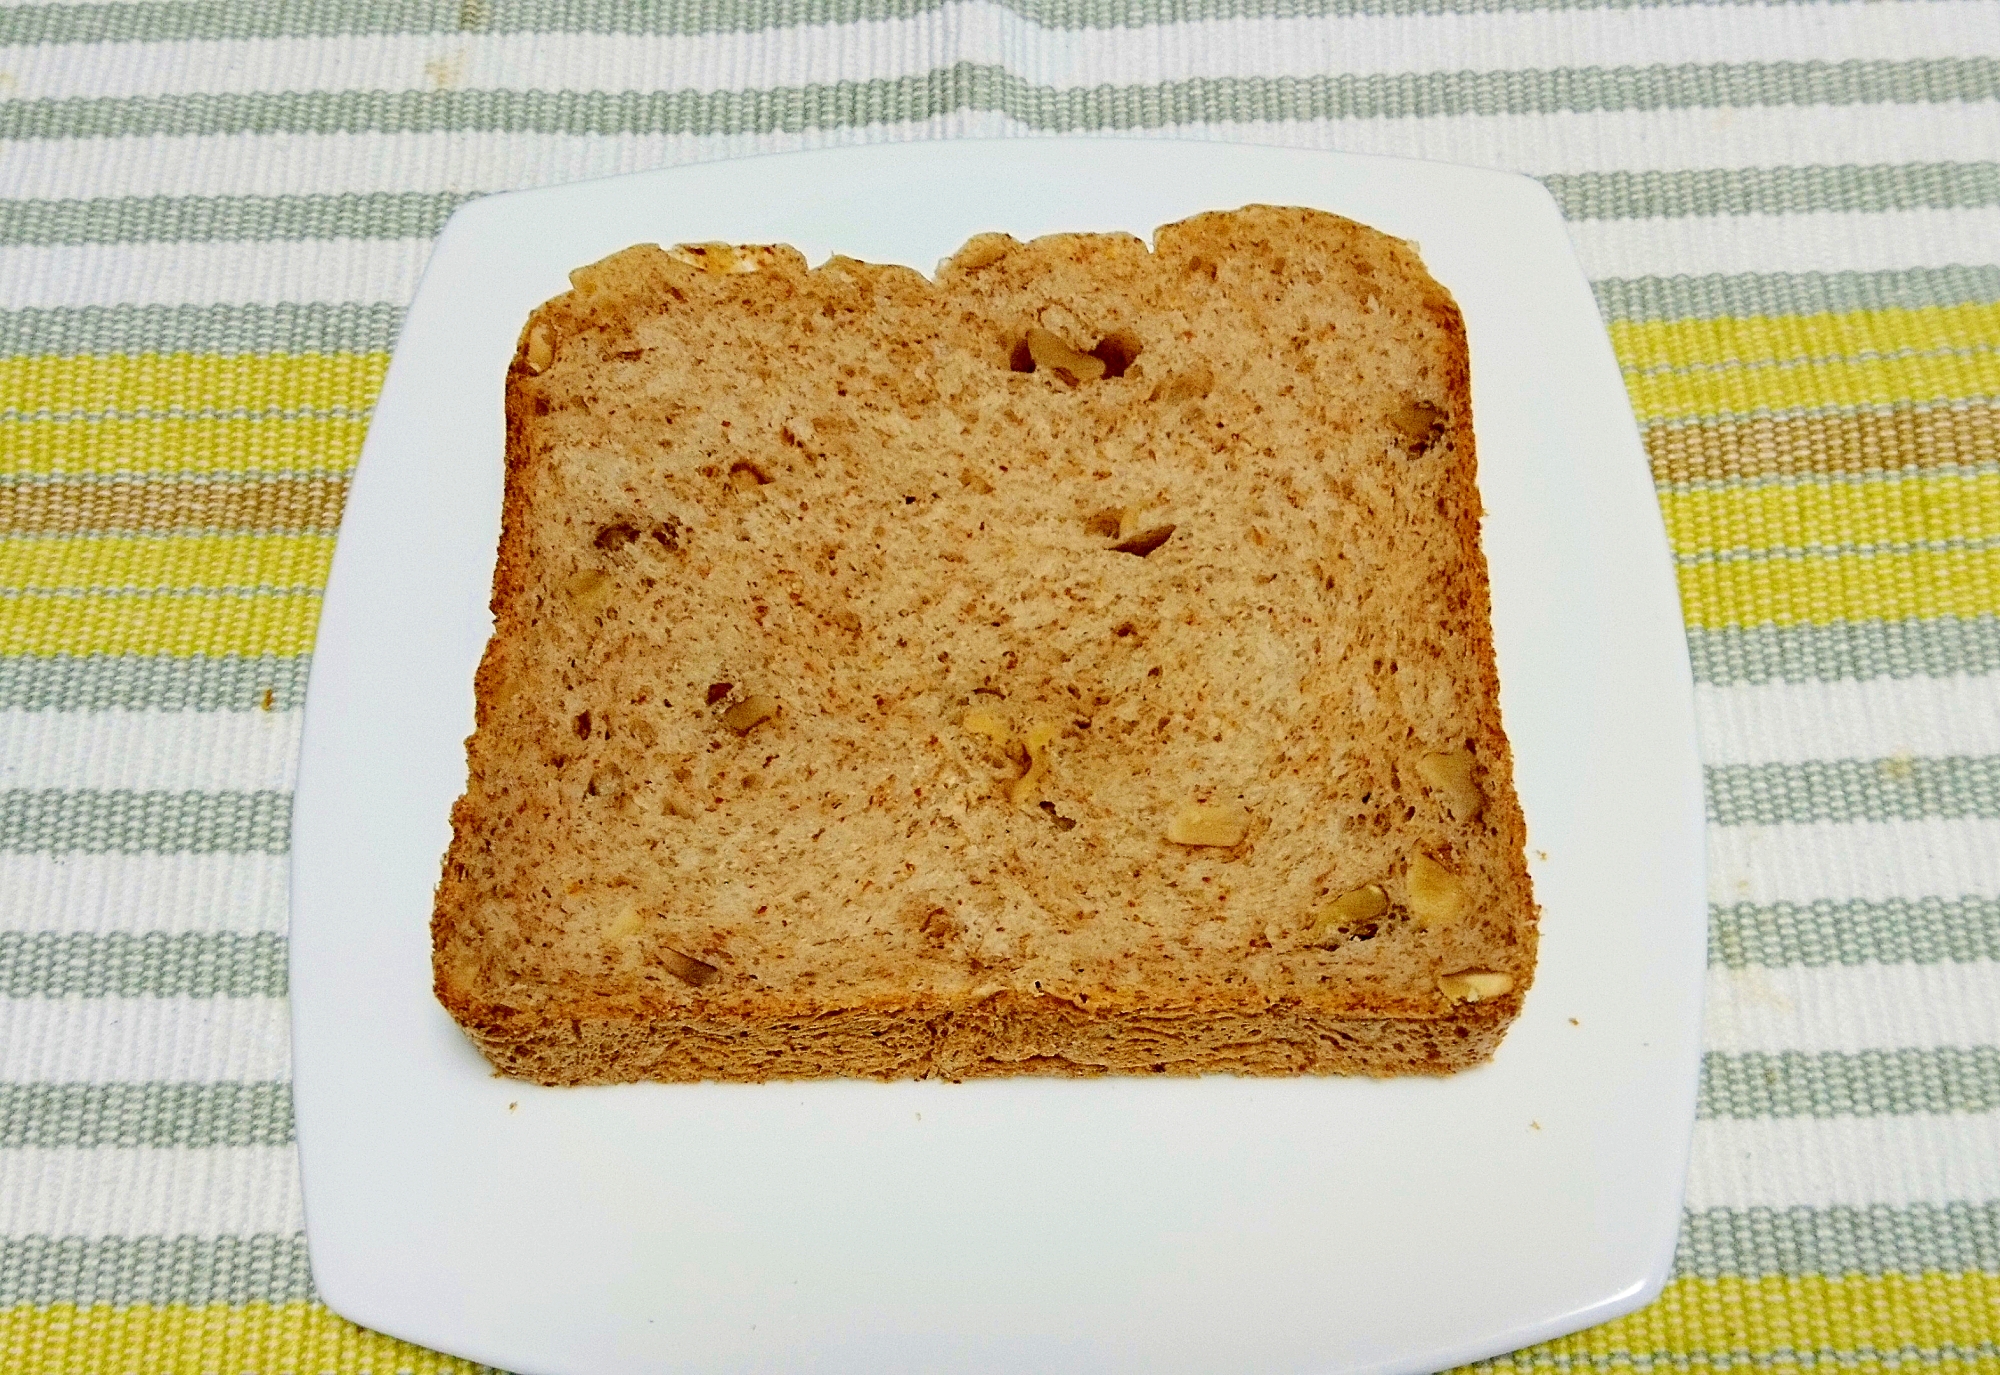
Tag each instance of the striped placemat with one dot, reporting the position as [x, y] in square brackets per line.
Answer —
[212, 216]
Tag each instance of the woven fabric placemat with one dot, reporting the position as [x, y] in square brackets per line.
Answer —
[212, 217]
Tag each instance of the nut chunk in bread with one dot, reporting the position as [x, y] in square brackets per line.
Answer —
[1076, 664]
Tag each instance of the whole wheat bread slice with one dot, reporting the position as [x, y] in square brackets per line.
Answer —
[1078, 663]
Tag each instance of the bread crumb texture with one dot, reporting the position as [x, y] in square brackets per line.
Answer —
[1078, 663]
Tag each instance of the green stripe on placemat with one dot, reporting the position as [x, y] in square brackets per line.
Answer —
[91, 822]
[133, 964]
[204, 219]
[1577, 1353]
[193, 19]
[1708, 558]
[1838, 790]
[1738, 795]
[968, 86]
[1895, 930]
[152, 682]
[1868, 649]
[1773, 190]
[1722, 658]
[1895, 789]
[130, 1270]
[1748, 1242]
[1583, 196]
[1918, 1239]
[295, 327]
[1717, 295]
[183, 1116]
[1869, 1083]
[1759, 545]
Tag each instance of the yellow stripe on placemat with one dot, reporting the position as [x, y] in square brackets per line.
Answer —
[211, 1339]
[163, 562]
[159, 381]
[1842, 512]
[181, 623]
[1794, 1323]
[1778, 1323]
[161, 594]
[1683, 368]
[1823, 589]
[1648, 344]
[1817, 384]
[175, 446]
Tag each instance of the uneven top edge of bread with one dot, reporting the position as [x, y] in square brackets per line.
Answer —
[600, 285]
[612, 294]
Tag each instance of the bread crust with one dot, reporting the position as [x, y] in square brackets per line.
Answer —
[563, 980]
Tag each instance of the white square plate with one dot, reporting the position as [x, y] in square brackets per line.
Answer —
[1215, 1224]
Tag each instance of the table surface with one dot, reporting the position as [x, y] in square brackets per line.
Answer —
[213, 216]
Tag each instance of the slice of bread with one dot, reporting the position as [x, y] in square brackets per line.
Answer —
[1076, 664]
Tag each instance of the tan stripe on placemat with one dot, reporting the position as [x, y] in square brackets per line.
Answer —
[1827, 445]
[273, 505]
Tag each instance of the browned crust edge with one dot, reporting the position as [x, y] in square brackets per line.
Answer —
[1007, 1034]
[1503, 804]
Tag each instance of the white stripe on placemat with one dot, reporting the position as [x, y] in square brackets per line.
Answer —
[385, 270]
[487, 160]
[363, 270]
[109, 1191]
[252, 750]
[1844, 1162]
[241, 893]
[989, 34]
[172, 751]
[1852, 1007]
[213, 751]
[108, 1040]
[1840, 861]
[1833, 241]
[1872, 718]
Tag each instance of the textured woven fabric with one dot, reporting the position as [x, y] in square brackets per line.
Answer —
[212, 216]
